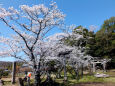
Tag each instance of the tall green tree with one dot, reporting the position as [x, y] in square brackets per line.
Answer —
[105, 40]
[87, 41]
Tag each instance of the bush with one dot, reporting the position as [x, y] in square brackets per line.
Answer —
[4, 73]
[1, 73]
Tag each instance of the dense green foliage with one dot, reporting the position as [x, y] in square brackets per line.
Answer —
[100, 44]
[105, 40]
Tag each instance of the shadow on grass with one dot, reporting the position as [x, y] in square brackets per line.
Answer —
[51, 82]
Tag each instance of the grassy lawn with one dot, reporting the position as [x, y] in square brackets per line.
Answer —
[86, 79]
[90, 79]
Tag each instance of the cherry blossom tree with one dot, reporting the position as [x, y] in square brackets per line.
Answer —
[73, 55]
[31, 42]
[31, 25]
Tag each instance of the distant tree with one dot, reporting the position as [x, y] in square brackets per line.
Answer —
[105, 40]
[80, 32]
[87, 39]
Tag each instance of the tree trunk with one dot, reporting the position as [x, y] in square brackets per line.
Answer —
[48, 76]
[77, 73]
[58, 75]
[65, 71]
[82, 70]
[104, 67]
[37, 75]
[21, 82]
[59, 71]
[13, 72]
[37, 78]
[94, 67]
[90, 69]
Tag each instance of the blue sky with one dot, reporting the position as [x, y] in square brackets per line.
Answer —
[78, 12]
[8, 59]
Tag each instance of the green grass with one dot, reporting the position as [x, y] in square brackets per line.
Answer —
[86, 79]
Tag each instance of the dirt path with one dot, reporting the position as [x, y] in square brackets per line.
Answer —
[95, 84]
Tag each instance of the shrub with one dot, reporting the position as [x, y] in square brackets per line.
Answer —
[4, 73]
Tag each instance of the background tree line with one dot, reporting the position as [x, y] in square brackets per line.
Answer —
[100, 44]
